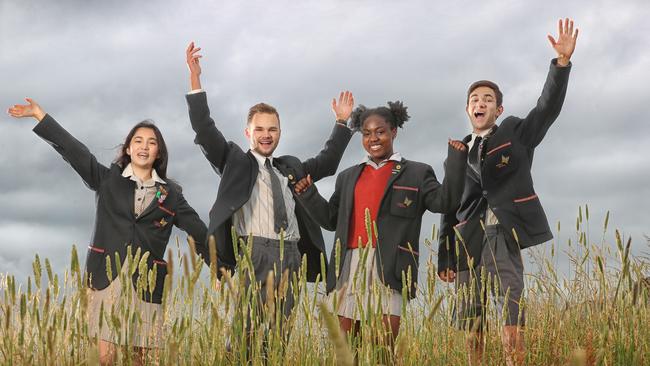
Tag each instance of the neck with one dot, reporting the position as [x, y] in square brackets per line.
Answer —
[144, 173]
[380, 159]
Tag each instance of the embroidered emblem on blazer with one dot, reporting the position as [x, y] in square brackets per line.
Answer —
[161, 223]
[406, 203]
[161, 195]
[505, 160]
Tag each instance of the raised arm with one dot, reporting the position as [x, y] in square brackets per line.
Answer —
[445, 197]
[208, 137]
[323, 212]
[189, 221]
[327, 161]
[532, 129]
[71, 149]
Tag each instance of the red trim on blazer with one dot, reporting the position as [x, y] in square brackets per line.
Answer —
[95, 249]
[408, 250]
[159, 262]
[518, 200]
[414, 189]
[499, 147]
[168, 211]
[461, 223]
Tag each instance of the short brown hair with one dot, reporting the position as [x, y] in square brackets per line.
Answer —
[261, 108]
[489, 84]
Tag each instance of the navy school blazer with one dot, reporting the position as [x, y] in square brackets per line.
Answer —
[116, 225]
[238, 171]
[505, 183]
[411, 189]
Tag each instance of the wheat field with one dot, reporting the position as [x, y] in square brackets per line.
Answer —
[597, 314]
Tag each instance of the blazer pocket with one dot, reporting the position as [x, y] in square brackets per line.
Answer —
[407, 259]
[159, 286]
[500, 161]
[404, 201]
[531, 214]
[95, 263]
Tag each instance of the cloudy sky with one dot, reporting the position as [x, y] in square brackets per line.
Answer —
[100, 67]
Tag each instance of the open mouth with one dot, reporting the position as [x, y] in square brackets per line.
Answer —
[266, 143]
[143, 155]
[479, 114]
[375, 147]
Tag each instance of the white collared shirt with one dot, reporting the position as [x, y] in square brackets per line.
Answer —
[368, 161]
[256, 217]
[144, 191]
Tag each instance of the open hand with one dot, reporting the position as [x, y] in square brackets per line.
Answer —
[192, 59]
[303, 184]
[32, 109]
[343, 109]
[566, 41]
[458, 145]
[447, 275]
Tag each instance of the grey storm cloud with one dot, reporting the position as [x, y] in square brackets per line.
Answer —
[100, 67]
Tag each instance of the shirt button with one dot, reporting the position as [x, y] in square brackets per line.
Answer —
[484, 193]
[139, 199]
[136, 215]
[142, 187]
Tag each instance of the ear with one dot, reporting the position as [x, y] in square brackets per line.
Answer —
[128, 151]
[467, 110]
[247, 132]
[394, 132]
[499, 110]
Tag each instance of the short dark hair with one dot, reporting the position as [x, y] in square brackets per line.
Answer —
[489, 84]
[261, 108]
[160, 164]
[395, 114]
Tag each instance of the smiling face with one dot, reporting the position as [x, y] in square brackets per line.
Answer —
[377, 137]
[483, 109]
[263, 133]
[143, 148]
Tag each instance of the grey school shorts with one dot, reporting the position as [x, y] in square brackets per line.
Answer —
[497, 281]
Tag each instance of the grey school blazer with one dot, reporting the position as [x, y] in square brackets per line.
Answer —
[505, 182]
[411, 189]
[238, 171]
[116, 225]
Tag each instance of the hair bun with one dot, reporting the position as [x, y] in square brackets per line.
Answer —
[399, 111]
[355, 117]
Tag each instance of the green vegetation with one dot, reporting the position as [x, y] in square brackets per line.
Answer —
[598, 315]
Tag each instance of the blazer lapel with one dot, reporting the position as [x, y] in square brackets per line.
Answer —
[348, 194]
[154, 203]
[398, 169]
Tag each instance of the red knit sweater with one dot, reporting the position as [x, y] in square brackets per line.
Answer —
[368, 192]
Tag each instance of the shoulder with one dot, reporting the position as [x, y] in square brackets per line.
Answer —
[289, 160]
[412, 165]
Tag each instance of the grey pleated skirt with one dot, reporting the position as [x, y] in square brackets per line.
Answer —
[360, 290]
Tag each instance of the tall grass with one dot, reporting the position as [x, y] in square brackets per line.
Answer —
[597, 314]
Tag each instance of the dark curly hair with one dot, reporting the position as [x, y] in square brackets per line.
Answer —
[395, 114]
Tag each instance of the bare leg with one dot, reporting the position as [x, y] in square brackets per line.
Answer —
[107, 352]
[513, 344]
[474, 344]
[392, 323]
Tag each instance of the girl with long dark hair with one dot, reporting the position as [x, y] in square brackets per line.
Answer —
[137, 206]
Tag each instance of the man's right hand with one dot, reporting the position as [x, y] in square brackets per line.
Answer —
[192, 59]
[343, 109]
[447, 275]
